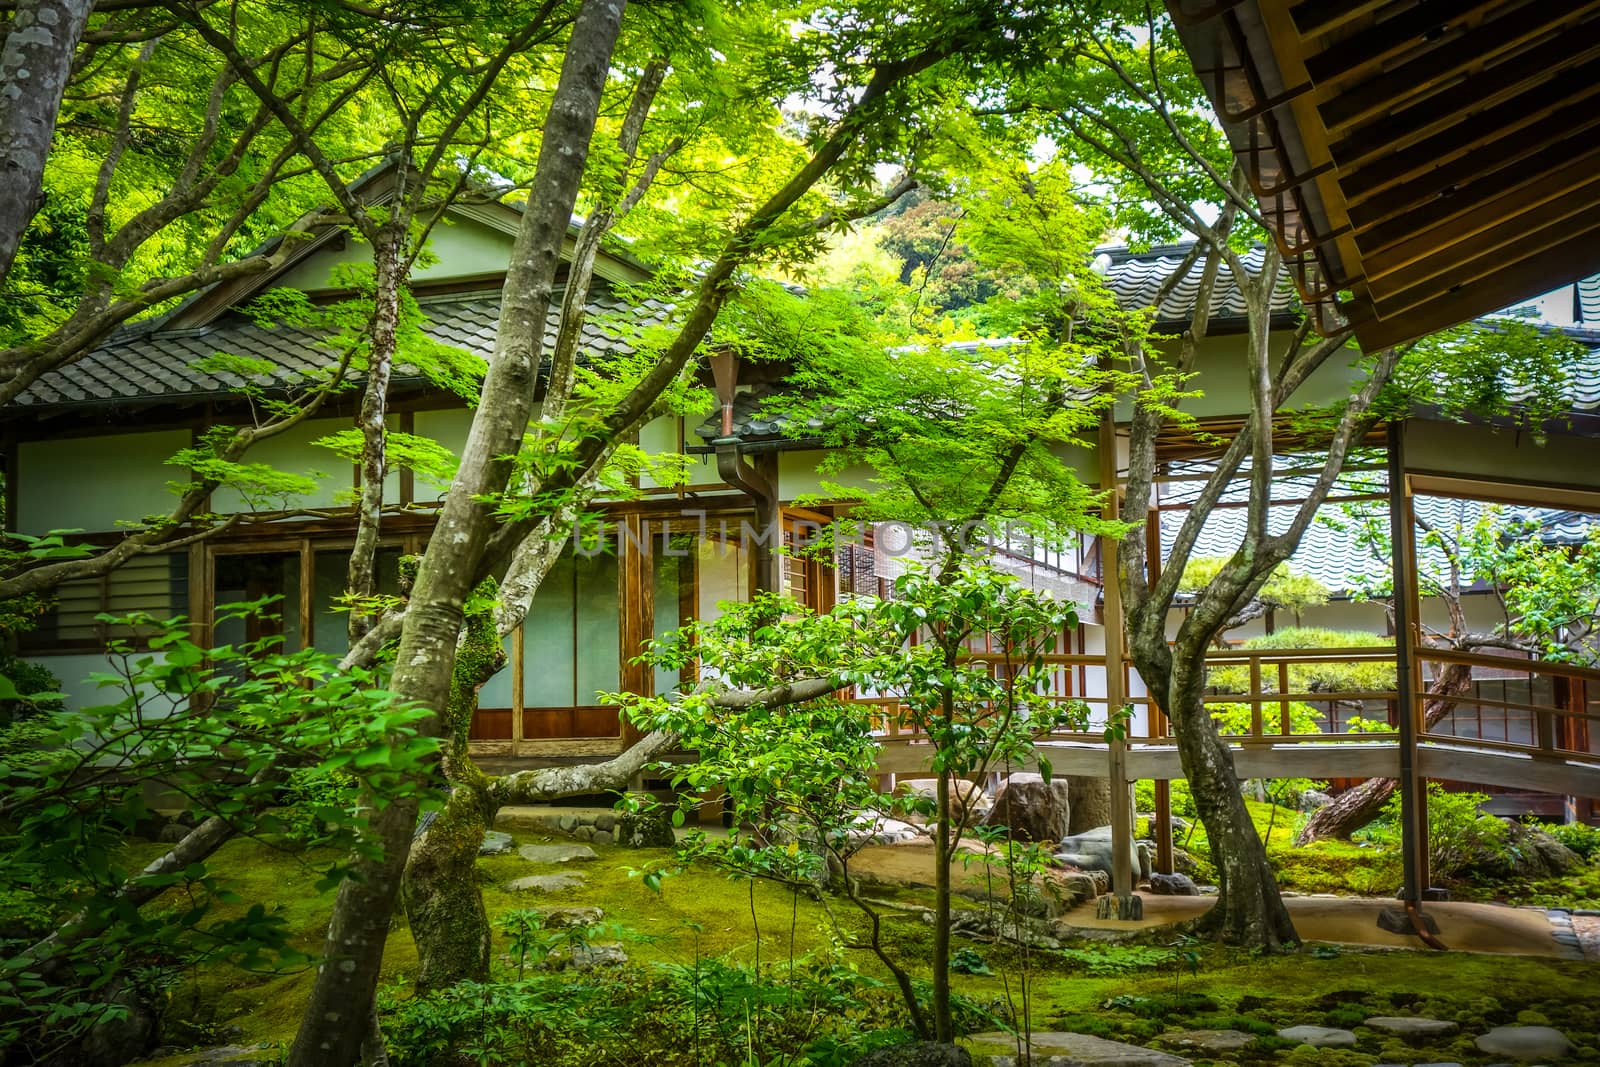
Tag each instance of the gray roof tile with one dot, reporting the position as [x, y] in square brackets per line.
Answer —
[141, 364]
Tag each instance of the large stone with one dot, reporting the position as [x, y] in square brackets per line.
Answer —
[1091, 850]
[1319, 1036]
[1412, 1026]
[1055, 1049]
[546, 883]
[1173, 885]
[494, 843]
[1210, 1040]
[978, 802]
[916, 1054]
[557, 853]
[234, 1056]
[1033, 809]
[1526, 1043]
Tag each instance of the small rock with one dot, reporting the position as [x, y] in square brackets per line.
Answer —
[605, 821]
[1412, 1026]
[916, 1054]
[601, 837]
[568, 823]
[563, 918]
[546, 883]
[588, 957]
[1525, 1043]
[1398, 921]
[1319, 1036]
[1055, 1049]
[557, 853]
[1173, 885]
[172, 833]
[494, 843]
[1313, 799]
[1211, 1040]
[234, 1056]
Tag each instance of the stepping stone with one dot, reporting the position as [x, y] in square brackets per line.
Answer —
[494, 843]
[1319, 1036]
[1058, 1049]
[557, 853]
[562, 918]
[546, 883]
[1525, 1043]
[1410, 1026]
[1211, 1040]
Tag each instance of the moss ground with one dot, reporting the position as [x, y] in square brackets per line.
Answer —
[1129, 992]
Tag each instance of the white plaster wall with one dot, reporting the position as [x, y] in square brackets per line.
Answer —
[293, 452]
[93, 483]
[462, 247]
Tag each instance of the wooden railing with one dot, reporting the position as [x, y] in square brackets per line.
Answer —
[1514, 705]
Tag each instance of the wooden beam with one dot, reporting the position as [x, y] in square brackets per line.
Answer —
[1518, 237]
[1438, 66]
[1546, 111]
[1454, 213]
[1420, 25]
[1460, 101]
[1574, 260]
[1519, 240]
[1312, 18]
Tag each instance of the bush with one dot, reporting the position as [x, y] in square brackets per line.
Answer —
[1460, 838]
[1579, 837]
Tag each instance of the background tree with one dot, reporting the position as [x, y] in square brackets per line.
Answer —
[1285, 589]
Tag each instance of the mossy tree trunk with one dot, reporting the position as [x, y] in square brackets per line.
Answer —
[443, 903]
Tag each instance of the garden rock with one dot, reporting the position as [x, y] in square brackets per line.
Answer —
[1313, 800]
[651, 828]
[916, 1054]
[591, 957]
[1091, 850]
[1319, 1036]
[563, 918]
[1033, 809]
[1173, 885]
[1525, 1043]
[977, 801]
[557, 853]
[1055, 1049]
[1410, 1026]
[546, 883]
[1210, 1040]
[494, 843]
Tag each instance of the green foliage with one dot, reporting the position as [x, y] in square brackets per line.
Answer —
[1325, 676]
[1487, 370]
[1459, 836]
[1579, 837]
[707, 1011]
[212, 731]
[1285, 588]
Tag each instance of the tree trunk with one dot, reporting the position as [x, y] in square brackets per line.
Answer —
[361, 578]
[331, 1029]
[35, 63]
[1089, 801]
[1355, 808]
[1249, 910]
[443, 902]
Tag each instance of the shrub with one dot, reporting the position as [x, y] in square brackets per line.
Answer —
[1579, 837]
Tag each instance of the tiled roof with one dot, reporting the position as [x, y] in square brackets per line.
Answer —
[1588, 300]
[143, 364]
[1332, 556]
[1136, 278]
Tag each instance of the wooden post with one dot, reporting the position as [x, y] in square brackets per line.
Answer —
[1122, 881]
[636, 593]
[1156, 726]
[1413, 794]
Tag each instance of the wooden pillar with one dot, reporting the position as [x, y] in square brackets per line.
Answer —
[636, 614]
[1157, 721]
[1122, 827]
[1413, 791]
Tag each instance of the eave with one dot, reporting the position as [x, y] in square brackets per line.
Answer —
[1419, 162]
